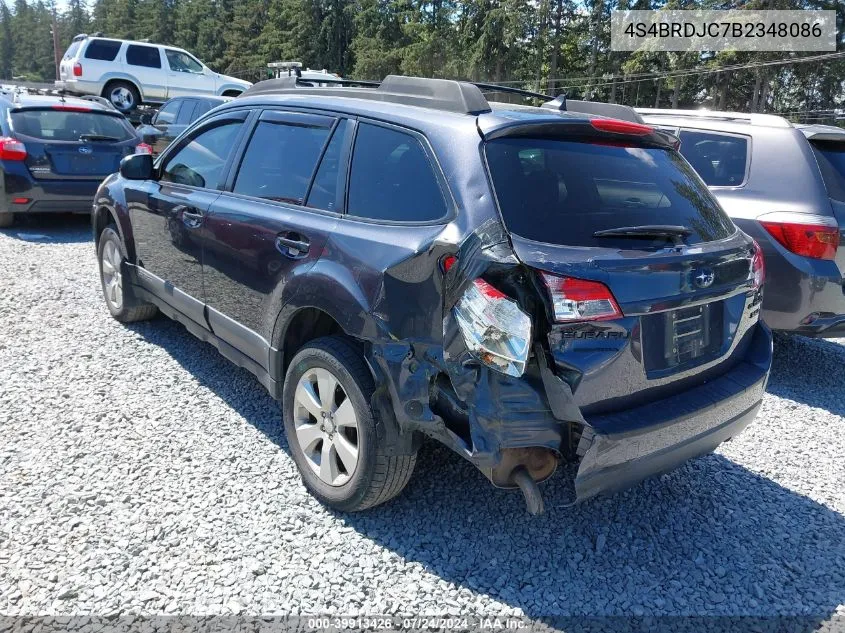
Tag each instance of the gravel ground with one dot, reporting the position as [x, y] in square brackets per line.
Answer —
[140, 472]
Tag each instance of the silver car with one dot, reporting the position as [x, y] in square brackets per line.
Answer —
[129, 73]
[784, 185]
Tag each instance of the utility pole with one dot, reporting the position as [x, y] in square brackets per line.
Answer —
[55, 30]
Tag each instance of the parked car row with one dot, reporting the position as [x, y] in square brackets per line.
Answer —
[527, 285]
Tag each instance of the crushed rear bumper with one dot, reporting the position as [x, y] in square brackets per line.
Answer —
[618, 450]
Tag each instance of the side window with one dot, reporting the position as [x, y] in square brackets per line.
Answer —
[720, 159]
[147, 56]
[202, 108]
[182, 62]
[105, 50]
[168, 112]
[186, 114]
[392, 178]
[280, 160]
[200, 163]
[324, 190]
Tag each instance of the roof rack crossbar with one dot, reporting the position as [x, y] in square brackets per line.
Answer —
[510, 90]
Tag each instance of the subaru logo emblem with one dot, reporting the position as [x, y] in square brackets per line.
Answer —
[85, 150]
[704, 277]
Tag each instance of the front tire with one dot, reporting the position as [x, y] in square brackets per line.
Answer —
[331, 429]
[120, 300]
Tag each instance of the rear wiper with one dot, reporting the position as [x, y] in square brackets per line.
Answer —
[97, 137]
[668, 231]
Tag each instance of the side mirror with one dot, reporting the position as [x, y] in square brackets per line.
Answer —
[146, 118]
[137, 167]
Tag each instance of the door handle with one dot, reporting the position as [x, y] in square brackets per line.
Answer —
[292, 245]
[192, 219]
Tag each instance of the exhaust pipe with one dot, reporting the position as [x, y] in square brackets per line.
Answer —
[530, 490]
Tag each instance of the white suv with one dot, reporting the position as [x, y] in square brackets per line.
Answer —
[128, 73]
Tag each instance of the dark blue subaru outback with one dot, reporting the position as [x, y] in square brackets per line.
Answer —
[524, 284]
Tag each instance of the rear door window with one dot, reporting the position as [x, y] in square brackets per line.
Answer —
[561, 192]
[146, 56]
[280, 160]
[720, 159]
[392, 178]
[323, 193]
[168, 112]
[186, 113]
[105, 50]
[69, 125]
[200, 161]
[831, 159]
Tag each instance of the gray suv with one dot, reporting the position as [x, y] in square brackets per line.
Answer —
[784, 185]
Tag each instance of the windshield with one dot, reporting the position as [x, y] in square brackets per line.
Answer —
[831, 159]
[562, 192]
[69, 125]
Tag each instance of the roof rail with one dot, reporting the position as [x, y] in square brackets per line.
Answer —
[464, 97]
[439, 94]
[768, 120]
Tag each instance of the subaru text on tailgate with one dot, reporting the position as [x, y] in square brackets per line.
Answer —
[526, 285]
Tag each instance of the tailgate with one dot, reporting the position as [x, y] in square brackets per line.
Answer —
[649, 287]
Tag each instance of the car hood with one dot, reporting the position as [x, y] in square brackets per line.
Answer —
[232, 80]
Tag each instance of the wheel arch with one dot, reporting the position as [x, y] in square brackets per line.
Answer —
[101, 217]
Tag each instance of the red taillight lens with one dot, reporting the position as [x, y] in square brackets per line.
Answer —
[621, 127]
[815, 236]
[581, 300]
[77, 70]
[12, 149]
[143, 148]
[758, 266]
[447, 262]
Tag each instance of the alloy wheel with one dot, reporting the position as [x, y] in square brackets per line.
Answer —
[112, 279]
[121, 97]
[326, 426]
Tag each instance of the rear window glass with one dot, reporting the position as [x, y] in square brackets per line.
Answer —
[561, 192]
[720, 159]
[71, 50]
[62, 125]
[105, 50]
[147, 56]
[392, 178]
[831, 160]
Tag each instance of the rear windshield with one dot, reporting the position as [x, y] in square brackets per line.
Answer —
[66, 125]
[71, 50]
[561, 192]
[831, 159]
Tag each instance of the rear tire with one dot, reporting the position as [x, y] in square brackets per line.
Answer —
[123, 95]
[6, 219]
[120, 300]
[345, 470]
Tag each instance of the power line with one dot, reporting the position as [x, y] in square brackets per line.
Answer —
[635, 77]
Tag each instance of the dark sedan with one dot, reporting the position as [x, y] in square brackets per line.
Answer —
[172, 119]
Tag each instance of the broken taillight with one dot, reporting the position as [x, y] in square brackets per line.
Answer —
[494, 329]
[143, 148]
[758, 266]
[814, 236]
[580, 299]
